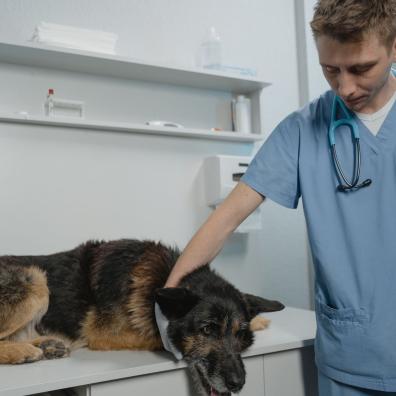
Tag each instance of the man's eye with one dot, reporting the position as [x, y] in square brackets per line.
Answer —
[330, 69]
[361, 70]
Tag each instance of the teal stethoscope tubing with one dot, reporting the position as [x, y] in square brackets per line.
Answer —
[351, 123]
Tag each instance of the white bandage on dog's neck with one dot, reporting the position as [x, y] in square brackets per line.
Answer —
[162, 323]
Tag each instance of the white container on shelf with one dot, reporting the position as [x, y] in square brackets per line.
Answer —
[242, 114]
[211, 50]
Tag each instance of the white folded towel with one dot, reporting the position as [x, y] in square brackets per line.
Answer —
[77, 38]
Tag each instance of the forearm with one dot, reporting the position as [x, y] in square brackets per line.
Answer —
[202, 248]
[210, 238]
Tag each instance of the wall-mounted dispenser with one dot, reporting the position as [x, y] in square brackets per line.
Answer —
[222, 173]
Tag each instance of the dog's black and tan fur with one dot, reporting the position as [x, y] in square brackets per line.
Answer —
[101, 295]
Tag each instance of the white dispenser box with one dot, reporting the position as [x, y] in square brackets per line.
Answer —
[222, 173]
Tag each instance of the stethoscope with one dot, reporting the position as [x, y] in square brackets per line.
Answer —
[350, 122]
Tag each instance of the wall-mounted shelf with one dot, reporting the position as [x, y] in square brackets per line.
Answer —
[117, 66]
[34, 55]
[129, 127]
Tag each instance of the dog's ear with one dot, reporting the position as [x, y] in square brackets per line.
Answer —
[175, 302]
[258, 304]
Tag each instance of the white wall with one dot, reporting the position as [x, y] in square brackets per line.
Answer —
[61, 187]
[312, 81]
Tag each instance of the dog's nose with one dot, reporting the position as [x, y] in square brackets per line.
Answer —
[235, 382]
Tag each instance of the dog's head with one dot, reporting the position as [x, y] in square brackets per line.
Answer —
[211, 331]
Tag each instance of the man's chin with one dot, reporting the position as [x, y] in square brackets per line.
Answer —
[361, 105]
[357, 106]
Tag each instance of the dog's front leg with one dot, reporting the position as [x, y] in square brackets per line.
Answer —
[52, 347]
[19, 352]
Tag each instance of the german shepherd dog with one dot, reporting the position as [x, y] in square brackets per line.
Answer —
[102, 295]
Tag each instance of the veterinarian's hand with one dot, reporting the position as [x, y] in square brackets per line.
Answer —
[162, 323]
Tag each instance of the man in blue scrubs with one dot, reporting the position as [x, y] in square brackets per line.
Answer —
[352, 232]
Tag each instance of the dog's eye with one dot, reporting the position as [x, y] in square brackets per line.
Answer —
[243, 331]
[206, 330]
[244, 326]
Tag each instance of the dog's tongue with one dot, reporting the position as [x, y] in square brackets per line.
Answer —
[215, 393]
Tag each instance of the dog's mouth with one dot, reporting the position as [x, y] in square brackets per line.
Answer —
[213, 392]
[210, 389]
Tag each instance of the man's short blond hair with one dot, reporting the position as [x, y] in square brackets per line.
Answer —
[352, 20]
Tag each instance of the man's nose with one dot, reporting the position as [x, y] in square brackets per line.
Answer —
[346, 85]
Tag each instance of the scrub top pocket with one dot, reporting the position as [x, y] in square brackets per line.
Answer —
[341, 316]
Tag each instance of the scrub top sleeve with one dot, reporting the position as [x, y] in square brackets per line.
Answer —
[273, 172]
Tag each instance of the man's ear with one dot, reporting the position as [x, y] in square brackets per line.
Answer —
[175, 302]
[394, 50]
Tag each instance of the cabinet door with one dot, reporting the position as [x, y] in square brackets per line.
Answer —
[168, 383]
[290, 373]
[80, 391]
[254, 385]
[176, 382]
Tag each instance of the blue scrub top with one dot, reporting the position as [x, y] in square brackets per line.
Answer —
[352, 237]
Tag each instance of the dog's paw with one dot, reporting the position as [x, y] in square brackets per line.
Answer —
[259, 323]
[53, 348]
[19, 353]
